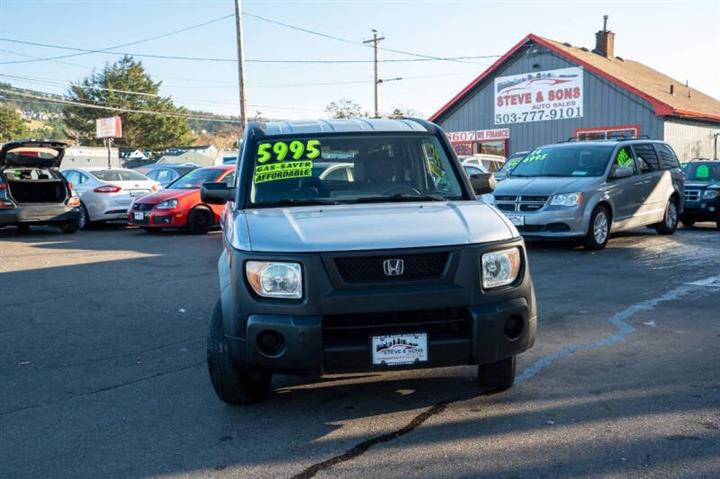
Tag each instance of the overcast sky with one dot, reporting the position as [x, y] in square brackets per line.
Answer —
[680, 39]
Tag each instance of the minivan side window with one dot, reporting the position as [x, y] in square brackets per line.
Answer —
[624, 158]
[668, 160]
[647, 157]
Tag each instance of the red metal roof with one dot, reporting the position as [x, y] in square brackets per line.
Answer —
[632, 76]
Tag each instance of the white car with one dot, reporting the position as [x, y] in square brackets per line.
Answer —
[489, 163]
[107, 194]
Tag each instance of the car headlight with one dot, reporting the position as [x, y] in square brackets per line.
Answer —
[500, 268]
[167, 204]
[566, 199]
[275, 280]
[710, 194]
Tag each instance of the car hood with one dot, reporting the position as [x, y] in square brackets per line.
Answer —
[372, 226]
[695, 185]
[164, 195]
[49, 160]
[544, 186]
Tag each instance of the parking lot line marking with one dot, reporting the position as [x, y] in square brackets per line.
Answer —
[619, 321]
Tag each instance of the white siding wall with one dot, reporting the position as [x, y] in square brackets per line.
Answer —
[691, 139]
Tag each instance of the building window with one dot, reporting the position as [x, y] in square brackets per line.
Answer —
[606, 132]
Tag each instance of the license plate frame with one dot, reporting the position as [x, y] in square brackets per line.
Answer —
[410, 349]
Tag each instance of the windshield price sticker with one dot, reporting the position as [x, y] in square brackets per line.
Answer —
[283, 160]
[537, 155]
[703, 171]
[283, 150]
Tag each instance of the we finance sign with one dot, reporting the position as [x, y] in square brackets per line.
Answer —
[539, 96]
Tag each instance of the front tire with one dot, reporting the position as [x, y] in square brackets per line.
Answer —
[599, 229]
[232, 384]
[496, 377]
[670, 219]
[199, 220]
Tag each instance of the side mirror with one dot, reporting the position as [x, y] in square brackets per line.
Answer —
[621, 172]
[217, 193]
[483, 183]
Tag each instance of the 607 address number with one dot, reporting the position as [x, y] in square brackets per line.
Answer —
[527, 116]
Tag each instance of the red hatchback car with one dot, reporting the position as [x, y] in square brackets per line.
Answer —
[179, 205]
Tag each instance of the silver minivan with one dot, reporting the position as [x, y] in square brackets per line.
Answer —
[588, 190]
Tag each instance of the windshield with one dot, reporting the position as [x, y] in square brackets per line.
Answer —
[512, 161]
[352, 169]
[118, 175]
[703, 171]
[196, 178]
[565, 160]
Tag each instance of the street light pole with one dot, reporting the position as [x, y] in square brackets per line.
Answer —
[375, 40]
[241, 72]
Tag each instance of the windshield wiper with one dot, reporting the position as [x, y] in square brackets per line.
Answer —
[399, 198]
[299, 202]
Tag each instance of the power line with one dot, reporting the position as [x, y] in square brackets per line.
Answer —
[109, 51]
[104, 50]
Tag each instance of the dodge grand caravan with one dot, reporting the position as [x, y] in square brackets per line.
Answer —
[588, 190]
[32, 191]
[397, 266]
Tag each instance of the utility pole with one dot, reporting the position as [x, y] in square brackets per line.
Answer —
[241, 72]
[375, 40]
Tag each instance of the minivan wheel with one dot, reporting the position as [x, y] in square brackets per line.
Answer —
[599, 229]
[670, 220]
[232, 384]
[496, 377]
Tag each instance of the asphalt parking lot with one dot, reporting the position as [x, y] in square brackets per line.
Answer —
[102, 360]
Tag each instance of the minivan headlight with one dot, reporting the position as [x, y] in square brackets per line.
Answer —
[566, 199]
[710, 194]
[271, 279]
[500, 268]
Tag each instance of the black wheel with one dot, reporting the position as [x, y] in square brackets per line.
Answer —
[84, 220]
[599, 229]
[23, 228]
[232, 384]
[670, 219]
[495, 377]
[717, 224]
[687, 223]
[199, 220]
[70, 227]
[151, 230]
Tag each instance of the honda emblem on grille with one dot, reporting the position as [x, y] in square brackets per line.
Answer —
[393, 267]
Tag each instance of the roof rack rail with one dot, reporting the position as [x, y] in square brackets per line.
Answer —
[616, 138]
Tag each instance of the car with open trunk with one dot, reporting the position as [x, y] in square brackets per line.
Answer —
[32, 190]
[396, 266]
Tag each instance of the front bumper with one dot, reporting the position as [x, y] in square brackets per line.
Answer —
[702, 210]
[38, 214]
[329, 330]
[552, 222]
[164, 218]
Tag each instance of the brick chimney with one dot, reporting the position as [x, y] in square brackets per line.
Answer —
[605, 41]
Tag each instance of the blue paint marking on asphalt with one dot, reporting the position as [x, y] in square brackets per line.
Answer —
[618, 320]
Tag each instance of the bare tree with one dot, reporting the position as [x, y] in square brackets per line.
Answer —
[343, 108]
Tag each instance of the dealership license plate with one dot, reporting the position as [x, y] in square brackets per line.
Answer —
[398, 349]
[139, 216]
[138, 193]
[517, 220]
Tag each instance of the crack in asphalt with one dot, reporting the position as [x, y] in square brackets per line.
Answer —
[620, 335]
[361, 448]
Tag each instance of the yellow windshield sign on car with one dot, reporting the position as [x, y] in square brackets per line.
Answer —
[282, 160]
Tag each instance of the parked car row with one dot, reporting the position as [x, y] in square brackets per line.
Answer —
[34, 190]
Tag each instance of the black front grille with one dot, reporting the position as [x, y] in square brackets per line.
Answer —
[692, 195]
[142, 207]
[506, 207]
[505, 198]
[440, 324]
[535, 199]
[369, 269]
[531, 207]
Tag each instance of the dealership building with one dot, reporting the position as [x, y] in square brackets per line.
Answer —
[543, 91]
